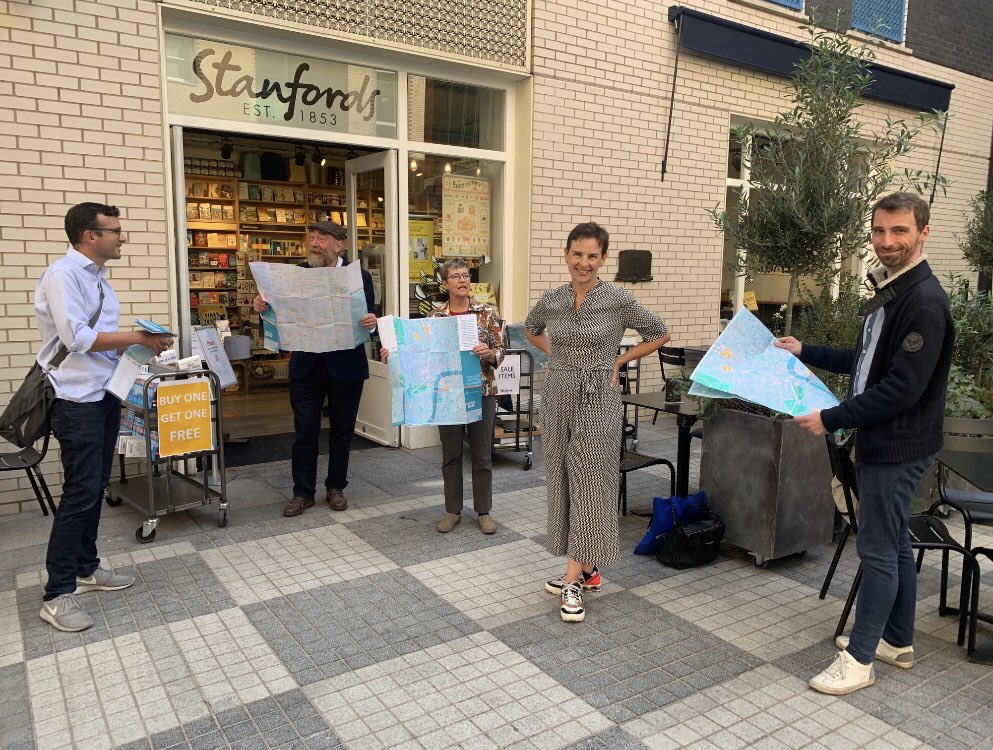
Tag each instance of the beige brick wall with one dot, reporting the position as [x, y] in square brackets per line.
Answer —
[602, 77]
[81, 121]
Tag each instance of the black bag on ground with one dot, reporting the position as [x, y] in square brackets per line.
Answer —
[28, 415]
[692, 544]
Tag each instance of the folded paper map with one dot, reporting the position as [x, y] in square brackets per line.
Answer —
[316, 309]
[435, 377]
[744, 363]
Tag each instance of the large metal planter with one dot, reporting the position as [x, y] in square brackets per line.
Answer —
[770, 482]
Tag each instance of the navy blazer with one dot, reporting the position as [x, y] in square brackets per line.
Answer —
[349, 365]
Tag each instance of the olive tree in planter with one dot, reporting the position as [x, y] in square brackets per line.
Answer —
[814, 175]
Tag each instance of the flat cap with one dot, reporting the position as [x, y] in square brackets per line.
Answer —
[329, 227]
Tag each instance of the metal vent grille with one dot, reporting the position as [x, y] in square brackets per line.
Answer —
[493, 30]
[880, 17]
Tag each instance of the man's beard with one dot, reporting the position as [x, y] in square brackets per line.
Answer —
[319, 259]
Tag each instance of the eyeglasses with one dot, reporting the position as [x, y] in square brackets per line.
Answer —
[459, 276]
[115, 230]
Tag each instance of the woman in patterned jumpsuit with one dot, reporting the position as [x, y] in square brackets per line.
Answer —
[579, 326]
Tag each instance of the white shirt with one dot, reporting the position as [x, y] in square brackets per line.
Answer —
[67, 296]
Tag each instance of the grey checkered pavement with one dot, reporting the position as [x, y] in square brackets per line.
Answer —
[367, 629]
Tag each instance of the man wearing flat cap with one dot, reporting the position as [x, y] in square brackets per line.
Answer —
[332, 377]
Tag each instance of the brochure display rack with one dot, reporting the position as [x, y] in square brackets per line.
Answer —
[514, 428]
[170, 418]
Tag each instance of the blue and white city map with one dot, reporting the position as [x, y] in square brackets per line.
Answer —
[744, 363]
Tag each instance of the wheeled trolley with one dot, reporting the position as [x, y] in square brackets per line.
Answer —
[514, 426]
[164, 487]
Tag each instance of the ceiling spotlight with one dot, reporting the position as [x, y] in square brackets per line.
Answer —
[478, 171]
[419, 174]
[324, 160]
[448, 167]
[413, 165]
[226, 148]
[300, 156]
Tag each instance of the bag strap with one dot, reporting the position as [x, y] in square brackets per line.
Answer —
[63, 352]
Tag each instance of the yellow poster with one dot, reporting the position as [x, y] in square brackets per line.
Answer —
[421, 233]
[750, 302]
[465, 216]
[184, 417]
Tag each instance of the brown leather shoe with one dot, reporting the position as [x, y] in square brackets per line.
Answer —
[297, 505]
[336, 499]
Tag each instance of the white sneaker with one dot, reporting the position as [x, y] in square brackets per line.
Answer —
[845, 675]
[898, 656]
[65, 613]
[572, 603]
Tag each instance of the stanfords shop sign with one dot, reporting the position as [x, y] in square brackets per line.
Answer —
[224, 81]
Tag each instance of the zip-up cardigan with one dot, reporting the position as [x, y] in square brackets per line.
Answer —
[899, 415]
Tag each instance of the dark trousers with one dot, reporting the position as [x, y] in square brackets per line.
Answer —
[87, 435]
[481, 453]
[307, 397]
[888, 595]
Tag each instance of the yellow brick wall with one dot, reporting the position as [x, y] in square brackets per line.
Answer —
[602, 77]
[81, 121]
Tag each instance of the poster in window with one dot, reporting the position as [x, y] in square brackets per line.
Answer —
[465, 211]
[421, 232]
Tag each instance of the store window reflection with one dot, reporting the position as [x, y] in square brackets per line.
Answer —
[454, 114]
[454, 212]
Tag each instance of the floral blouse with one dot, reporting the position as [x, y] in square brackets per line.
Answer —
[491, 333]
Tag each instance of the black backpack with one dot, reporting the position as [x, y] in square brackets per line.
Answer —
[692, 544]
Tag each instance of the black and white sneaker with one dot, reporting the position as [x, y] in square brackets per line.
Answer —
[591, 582]
[572, 602]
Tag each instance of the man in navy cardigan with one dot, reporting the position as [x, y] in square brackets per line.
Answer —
[896, 400]
[334, 377]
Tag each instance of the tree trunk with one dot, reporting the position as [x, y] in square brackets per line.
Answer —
[788, 314]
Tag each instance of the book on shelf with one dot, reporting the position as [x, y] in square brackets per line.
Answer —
[242, 257]
[196, 279]
[213, 239]
[360, 220]
[264, 214]
[203, 259]
[248, 213]
[227, 212]
[279, 195]
[298, 195]
[204, 210]
[225, 190]
[216, 212]
[298, 216]
[231, 240]
[267, 193]
[199, 238]
[192, 211]
[254, 193]
[243, 191]
[281, 215]
[199, 190]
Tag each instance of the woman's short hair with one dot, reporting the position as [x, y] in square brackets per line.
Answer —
[589, 229]
[450, 265]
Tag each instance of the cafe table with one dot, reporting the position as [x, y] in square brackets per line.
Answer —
[686, 416]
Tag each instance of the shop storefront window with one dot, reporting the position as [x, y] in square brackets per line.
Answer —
[455, 114]
[454, 212]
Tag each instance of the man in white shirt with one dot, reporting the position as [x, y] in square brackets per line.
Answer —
[85, 418]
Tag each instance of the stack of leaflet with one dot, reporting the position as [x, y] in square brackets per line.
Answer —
[131, 437]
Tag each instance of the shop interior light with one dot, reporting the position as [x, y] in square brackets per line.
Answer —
[227, 148]
[380, 199]
[413, 165]
[478, 171]
[300, 156]
[448, 167]
[419, 174]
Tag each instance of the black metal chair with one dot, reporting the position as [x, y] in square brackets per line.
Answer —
[28, 460]
[927, 532]
[631, 461]
[968, 436]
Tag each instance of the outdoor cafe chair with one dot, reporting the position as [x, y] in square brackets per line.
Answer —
[927, 532]
[968, 436]
[28, 460]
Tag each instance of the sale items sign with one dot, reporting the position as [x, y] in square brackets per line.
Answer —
[184, 417]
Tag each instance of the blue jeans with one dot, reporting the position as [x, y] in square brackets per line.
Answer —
[888, 595]
[87, 435]
[307, 397]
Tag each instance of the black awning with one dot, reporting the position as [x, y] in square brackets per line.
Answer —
[760, 50]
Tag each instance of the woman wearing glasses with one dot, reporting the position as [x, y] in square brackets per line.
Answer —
[455, 280]
[579, 326]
